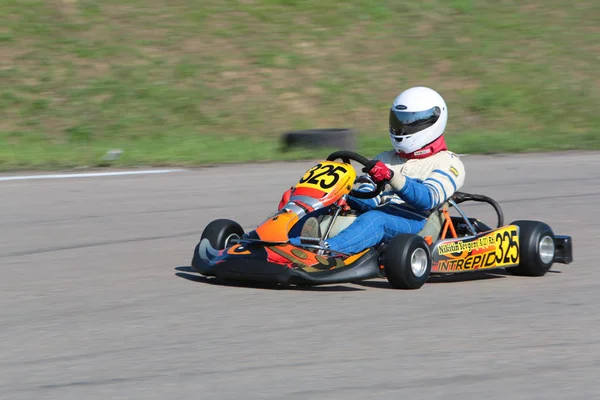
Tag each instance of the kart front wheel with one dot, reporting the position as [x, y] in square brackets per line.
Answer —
[220, 232]
[407, 262]
[536, 253]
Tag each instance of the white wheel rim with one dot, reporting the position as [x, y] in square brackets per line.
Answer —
[546, 249]
[418, 262]
[232, 236]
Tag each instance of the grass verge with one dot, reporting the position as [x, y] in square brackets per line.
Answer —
[208, 81]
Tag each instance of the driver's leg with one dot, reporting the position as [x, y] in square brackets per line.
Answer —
[370, 229]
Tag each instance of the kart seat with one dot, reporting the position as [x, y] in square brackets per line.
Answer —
[434, 224]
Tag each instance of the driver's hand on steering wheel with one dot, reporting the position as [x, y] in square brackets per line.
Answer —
[378, 171]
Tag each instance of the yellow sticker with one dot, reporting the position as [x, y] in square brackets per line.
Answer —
[326, 176]
[499, 248]
[507, 246]
[454, 171]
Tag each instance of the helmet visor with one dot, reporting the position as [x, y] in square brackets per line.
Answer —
[404, 123]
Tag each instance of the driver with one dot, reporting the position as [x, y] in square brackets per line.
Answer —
[420, 174]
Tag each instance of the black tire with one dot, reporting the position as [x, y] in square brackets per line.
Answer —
[531, 233]
[330, 138]
[397, 261]
[219, 231]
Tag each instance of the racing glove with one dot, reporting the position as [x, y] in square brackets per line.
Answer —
[378, 171]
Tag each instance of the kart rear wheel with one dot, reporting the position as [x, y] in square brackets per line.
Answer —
[220, 232]
[407, 261]
[537, 249]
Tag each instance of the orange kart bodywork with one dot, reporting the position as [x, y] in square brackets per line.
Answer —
[266, 255]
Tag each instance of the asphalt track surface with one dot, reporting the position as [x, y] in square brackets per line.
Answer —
[97, 299]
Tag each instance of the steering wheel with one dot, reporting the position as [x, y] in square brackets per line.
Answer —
[346, 156]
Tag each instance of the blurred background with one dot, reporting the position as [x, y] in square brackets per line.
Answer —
[198, 81]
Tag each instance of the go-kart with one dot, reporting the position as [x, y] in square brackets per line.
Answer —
[447, 244]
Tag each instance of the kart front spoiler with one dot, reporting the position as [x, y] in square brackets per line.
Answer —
[259, 270]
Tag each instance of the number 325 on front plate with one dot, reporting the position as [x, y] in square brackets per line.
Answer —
[323, 176]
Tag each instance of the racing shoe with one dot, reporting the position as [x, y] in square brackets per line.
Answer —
[311, 234]
[311, 229]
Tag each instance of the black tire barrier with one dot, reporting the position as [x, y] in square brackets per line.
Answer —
[336, 138]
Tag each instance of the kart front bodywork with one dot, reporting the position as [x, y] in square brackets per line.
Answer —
[283, 264]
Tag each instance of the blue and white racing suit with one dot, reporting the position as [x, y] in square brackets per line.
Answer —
[404, 205]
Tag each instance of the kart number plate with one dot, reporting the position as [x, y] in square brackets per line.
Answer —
[325, 176]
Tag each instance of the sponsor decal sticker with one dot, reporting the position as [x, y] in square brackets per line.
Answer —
[421, 152]
[480, 261]
[460, 246]
[499, 248]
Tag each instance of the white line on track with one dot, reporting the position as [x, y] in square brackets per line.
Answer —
[87, 175]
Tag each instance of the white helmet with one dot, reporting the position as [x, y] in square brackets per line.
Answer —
[418, 116]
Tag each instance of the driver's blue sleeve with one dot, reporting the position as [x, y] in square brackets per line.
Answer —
[432, 192]
[418, 194]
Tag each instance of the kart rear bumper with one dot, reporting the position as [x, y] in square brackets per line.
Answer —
[563, 249]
